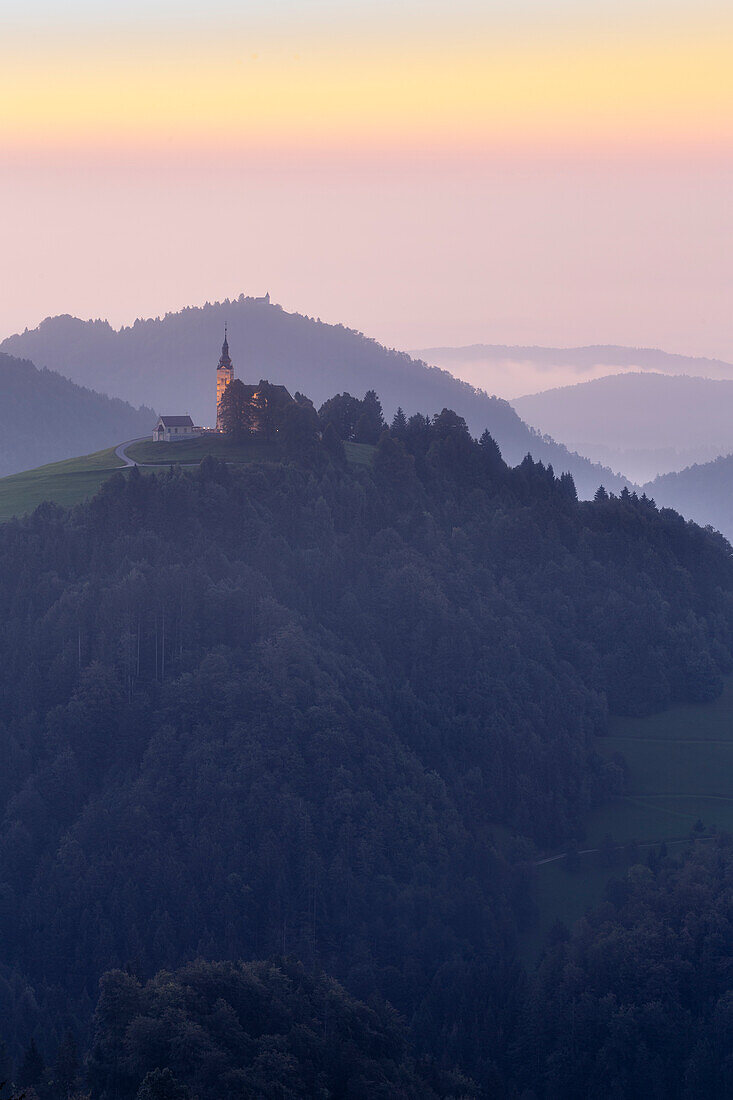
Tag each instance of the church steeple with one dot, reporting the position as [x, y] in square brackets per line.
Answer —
[225, 361]
[224, 375]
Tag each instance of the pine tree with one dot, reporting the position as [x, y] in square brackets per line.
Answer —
[371, 422]
[399, 425]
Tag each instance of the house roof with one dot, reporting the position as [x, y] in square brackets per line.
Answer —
[176, 421]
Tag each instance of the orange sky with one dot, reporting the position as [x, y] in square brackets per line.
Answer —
[671, 86]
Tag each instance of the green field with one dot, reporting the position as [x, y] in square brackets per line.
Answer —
[77, 479]
[64, 483]
[680, 770]
[252, 450]
[359, 454]
[193, 450]
[680, 766]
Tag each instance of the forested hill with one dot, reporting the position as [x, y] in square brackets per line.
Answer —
[642, 423]
[45, 417]
[170, 364]
[703, 491]
[280, 710]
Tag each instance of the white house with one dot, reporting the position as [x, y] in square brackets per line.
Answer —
[171, 429]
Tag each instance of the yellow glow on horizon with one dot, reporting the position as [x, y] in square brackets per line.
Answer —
[667, 91]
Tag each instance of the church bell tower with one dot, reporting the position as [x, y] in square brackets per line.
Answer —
[224, 375]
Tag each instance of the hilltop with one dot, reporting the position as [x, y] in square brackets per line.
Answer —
[170, 362]
[44, 417]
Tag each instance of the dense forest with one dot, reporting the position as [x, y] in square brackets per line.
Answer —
[260, 728]
[45, 417]
[159, 360]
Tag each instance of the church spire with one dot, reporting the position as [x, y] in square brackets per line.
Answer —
[224, 375]
[225, 361]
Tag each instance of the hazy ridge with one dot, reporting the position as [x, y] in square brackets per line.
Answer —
[45, 417]
[515, 371]
[642, 423]
[170, 363]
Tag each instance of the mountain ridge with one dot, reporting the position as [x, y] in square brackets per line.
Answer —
[518, 371]
[584, 354]
[173, 359]
[45, 417]
[642, 422]
[701, 492]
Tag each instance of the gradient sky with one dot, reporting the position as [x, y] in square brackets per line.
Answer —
[540, 171]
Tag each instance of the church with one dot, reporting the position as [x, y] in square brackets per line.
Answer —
[172, 429]
[262, 399]
[265, 401]
[224, 375]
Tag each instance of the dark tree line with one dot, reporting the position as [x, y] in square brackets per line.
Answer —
[269, 1030]
[278, 710]
[354, 420]
[637, 1001]
[300, 352]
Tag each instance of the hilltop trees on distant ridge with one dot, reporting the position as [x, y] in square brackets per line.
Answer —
[153, 359]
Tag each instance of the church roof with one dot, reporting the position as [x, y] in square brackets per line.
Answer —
[225, 361]
[176, 421]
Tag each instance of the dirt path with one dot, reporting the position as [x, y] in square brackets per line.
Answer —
[121, 450]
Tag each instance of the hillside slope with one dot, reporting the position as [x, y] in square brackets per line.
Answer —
[280, 708]
[170, 363]
[641, 423]
[46, 418]
[702, 492]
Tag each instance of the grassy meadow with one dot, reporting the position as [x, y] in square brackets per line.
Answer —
[76, 479]
[252, 450]
[193, 450]
[680, 774]
[64, 483]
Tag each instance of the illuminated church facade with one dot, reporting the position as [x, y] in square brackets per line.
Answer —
[224, 375]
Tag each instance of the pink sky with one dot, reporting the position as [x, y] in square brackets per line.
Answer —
[550, 173]
[415, 253]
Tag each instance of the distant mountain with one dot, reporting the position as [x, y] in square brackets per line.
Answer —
[170, 363]
[703, 493]
[643, 424]
[45, 417]
[512, 371]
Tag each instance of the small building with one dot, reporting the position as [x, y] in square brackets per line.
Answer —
[171, 429]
